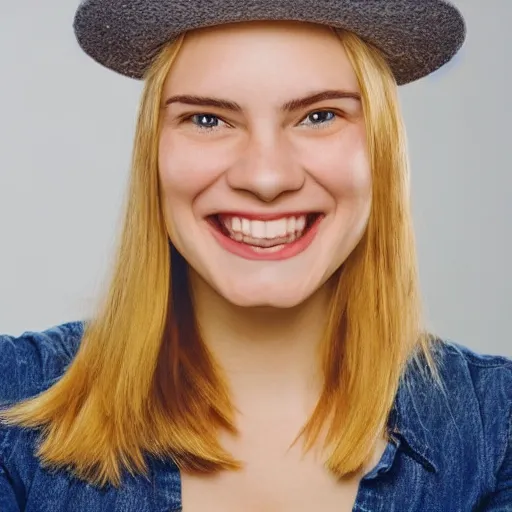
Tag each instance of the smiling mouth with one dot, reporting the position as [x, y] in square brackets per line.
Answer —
[264, 234]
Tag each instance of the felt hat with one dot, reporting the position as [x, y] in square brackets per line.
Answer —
[416, 37]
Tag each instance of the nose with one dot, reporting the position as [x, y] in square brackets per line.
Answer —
[266, 168]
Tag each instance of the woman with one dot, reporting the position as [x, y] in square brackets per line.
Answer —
[260, 347]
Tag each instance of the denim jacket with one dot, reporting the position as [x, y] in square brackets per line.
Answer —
[449, 451]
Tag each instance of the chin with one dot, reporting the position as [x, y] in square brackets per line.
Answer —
[270, 302]
[280, 297]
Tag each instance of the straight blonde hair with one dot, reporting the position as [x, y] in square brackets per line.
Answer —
[142, 381]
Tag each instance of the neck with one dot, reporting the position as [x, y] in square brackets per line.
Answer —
[265, 352]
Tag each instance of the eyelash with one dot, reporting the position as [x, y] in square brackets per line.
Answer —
[209, 129]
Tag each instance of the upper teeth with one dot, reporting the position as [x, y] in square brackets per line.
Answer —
[265, 229]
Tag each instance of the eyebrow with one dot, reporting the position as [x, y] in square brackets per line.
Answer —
[289, 106]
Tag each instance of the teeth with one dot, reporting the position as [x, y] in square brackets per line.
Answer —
[284, 230]
[276, 229]
[267, 250]
[236, 224]
[246, 227]
[258, 229]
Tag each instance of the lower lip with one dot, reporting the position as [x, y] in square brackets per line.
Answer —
[248, 252]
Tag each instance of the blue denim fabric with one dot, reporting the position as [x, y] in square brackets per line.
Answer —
[450, 452]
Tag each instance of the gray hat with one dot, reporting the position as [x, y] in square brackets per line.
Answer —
[416, 36]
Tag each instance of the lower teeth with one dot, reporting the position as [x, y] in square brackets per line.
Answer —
[274, 248]
[239, 237]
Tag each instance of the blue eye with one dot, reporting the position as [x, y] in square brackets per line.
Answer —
[210, 122]
[318, 117]
[201, 119]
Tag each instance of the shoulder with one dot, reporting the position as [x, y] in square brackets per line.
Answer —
[464, 422]
[487, 378]
[482, 384]
[477, 414]
[479, 384]
[30, 363]
[466, 356]
[481, 380]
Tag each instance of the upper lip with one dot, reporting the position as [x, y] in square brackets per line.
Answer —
[268, 215]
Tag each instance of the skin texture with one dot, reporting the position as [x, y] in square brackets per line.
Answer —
[263, 161]
[263, 320]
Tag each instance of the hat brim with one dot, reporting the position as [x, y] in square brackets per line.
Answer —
[416, 37]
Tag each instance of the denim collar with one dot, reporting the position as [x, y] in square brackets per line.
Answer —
[414, 401]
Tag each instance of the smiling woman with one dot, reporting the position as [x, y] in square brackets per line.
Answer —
[267, 158]
[261, 345]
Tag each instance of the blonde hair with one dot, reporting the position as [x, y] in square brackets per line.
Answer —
[142, 381]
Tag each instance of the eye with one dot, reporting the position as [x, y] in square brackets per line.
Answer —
[318, 118]
[209, 122]
[204, 122]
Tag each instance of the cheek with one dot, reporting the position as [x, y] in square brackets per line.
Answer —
[186, 169]
[354, 179]
[178, 186]
[343, 168]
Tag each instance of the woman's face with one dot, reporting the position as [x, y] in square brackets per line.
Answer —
[266, 192]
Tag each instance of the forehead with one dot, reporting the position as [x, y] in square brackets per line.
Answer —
[278, 58]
